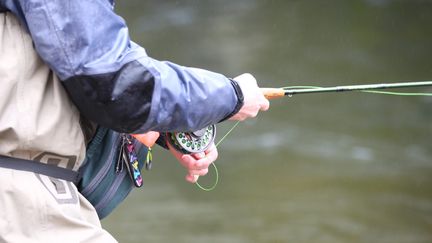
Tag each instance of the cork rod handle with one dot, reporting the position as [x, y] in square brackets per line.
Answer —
[273, 93]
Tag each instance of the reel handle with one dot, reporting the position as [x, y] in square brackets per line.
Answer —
[273, 93]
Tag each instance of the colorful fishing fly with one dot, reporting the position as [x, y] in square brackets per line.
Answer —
[129, 158]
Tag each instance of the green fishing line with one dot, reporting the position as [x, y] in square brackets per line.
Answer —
[211, 188]
[396, 93]
[226, 135]
[365, 91]
[207, 189]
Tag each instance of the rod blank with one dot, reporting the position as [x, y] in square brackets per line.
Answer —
[271, 93]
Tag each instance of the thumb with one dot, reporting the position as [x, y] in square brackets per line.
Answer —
[199, 155]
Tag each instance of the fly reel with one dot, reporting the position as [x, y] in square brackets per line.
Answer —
[192, 142]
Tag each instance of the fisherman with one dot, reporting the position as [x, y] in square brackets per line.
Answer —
[67, 64]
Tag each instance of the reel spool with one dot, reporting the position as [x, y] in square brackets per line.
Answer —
[192, 142]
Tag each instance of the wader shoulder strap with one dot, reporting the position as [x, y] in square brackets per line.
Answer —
[40, 168]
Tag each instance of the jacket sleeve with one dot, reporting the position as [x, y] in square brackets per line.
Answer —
[112, 80]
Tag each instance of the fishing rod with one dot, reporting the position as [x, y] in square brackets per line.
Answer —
[272, 93]
[198, 141]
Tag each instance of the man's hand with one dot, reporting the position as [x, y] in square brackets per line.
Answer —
[196, 164]
[254, 100]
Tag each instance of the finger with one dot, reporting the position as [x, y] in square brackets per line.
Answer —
[201, 164]
[211, 148]
[202, 172]
[265, 105]
[212, 153]
[211, 156]
[255, 112]
[188, 161]
[199, 155]
[191, 178]
[191, 163]
[207, 157]
[246, 77]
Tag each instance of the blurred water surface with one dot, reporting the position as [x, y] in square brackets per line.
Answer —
[349, 167]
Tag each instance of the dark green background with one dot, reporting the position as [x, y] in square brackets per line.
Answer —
[351, 167]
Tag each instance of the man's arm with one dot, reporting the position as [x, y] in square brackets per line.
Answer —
[111, 80]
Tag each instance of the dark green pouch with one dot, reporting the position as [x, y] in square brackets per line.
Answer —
[102, 183]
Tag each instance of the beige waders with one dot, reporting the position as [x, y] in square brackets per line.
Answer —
[38, 122]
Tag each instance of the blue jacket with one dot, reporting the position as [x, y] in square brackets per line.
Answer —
[111, 79]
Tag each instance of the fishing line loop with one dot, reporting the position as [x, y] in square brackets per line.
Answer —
[211, 188]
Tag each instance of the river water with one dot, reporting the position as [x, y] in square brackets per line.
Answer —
[345, 167]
